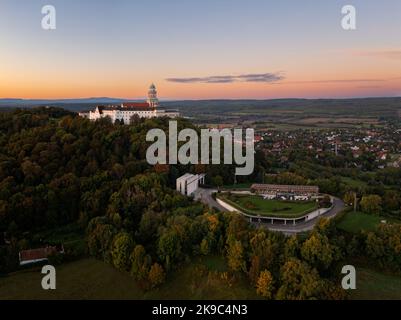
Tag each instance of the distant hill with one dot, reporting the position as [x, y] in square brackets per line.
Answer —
[40, 102]
[287, 110]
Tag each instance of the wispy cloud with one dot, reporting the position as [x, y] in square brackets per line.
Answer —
[258, 77]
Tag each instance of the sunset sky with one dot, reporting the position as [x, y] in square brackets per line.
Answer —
[200, 49]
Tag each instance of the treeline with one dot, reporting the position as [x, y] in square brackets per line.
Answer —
[56, 169]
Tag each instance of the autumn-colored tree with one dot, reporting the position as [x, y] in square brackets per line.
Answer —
[317, 251]
[238, 228]
[254, 270]
[267, 247]
[349, 198]
[169, 247]
[391, 200]
[200, 168]
[264, 285]
[235, 257]
[156, 275]
[100, 237]
[204, 247]
[298, 281]
[162, 168]
[291, 247]
[384, 246]
[213, 221]
[375, 245]
[140, 263]
[325, 227]
[333, 290]
[290, 178]
[121, 251]
[371, 204]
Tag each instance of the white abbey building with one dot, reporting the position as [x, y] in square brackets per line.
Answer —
[124, 112]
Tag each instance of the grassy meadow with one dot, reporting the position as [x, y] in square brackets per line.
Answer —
[88, 279]
[354, 222]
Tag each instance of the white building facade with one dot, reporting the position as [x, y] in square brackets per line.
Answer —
[189, 183]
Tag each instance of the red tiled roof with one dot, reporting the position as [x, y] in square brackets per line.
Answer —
[134, 107]
[37, 254]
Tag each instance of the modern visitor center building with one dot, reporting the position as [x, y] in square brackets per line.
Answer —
[290, 195]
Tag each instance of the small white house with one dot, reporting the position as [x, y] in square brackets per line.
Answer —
[32, 256]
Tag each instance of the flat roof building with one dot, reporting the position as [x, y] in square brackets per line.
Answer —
[189, 183]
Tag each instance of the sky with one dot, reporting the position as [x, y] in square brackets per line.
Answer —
[204, 49]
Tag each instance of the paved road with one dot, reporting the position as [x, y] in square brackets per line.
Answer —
[205, 196]
[308, 225]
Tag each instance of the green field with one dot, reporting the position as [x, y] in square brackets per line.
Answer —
[372, 285]
[355, 222]
[93, 279]
[256, 205]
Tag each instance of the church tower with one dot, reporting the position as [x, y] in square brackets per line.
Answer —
[152, 97]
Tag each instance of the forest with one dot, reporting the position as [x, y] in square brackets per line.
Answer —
[57, 169]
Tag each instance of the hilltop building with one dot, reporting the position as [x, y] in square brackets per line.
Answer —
[124, 112]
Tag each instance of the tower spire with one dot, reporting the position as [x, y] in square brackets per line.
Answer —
[152, 96]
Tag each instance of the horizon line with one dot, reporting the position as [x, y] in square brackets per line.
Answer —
[205, 99]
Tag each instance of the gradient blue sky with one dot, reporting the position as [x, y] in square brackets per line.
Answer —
[117, 48]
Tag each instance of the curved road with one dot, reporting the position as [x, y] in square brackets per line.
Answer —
[205, 196]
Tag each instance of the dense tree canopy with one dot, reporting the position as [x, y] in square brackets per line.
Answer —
[57, 169]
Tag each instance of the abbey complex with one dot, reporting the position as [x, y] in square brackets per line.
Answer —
[124, 112]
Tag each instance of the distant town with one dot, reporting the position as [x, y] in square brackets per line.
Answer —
[363, 148]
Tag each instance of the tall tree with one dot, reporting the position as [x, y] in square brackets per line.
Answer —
[264, 285]
[299, 281]
[121, 251]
